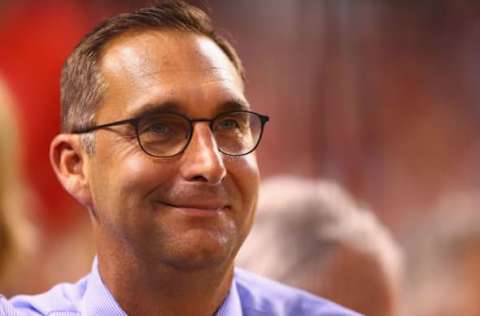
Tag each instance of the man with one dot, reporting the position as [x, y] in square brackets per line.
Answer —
[157, 141]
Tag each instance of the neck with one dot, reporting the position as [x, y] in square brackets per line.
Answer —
[143, 289]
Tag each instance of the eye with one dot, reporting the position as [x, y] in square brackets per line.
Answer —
[158, 128]
[228, 123]
[165, 125]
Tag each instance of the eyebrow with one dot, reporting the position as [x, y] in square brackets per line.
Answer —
[234, 105]
[155, 108]
[173, 106]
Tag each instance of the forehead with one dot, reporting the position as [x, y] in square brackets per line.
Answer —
[151, 67]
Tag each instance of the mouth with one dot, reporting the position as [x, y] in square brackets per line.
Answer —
[196, 209]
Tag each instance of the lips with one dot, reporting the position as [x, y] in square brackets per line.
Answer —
[199, 206]
[197, 209]
[204, 199]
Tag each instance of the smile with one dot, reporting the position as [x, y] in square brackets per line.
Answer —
[196, 210]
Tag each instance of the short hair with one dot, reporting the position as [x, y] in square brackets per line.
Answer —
[82, 86]
[302, 224]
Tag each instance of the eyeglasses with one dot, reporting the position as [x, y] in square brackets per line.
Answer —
[166, 134]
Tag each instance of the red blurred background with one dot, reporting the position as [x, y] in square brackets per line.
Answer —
[381, 96]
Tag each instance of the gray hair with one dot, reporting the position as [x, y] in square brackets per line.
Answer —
[300, 219]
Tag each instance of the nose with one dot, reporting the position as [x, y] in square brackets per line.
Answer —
[201, 161]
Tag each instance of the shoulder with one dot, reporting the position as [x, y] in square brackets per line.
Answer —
[261, 296]
[63, 299]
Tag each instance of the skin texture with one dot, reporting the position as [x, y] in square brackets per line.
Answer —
[168, 228]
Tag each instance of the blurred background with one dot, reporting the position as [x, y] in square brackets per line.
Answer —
[379, 96]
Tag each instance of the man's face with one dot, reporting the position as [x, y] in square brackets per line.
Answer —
[192, 210]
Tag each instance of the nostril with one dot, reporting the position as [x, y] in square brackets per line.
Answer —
[199, 178]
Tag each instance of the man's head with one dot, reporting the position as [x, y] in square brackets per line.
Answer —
[312, 235]
[170, 180]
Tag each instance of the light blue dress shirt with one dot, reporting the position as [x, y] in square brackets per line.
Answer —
[250, 295]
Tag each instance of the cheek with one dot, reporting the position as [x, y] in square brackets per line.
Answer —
[129, 188]
[145, 174]
[245, 175]
[130, 180]
[139, 175]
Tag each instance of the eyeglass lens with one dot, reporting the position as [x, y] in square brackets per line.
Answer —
[167, 134]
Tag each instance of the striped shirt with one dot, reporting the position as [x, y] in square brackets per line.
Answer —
[249, 295]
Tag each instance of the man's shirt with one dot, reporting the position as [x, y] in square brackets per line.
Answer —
[249, 295]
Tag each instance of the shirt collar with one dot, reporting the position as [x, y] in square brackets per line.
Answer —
[231, 305]
[98, 301]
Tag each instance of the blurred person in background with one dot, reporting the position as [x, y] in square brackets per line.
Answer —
[28, 253]
[18, 241]
[31, 67]
[311, 234]
[443, 260]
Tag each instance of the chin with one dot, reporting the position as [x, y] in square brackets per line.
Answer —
[200, 252]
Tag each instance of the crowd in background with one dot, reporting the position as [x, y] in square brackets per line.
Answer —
[311, 234]
[373, 110]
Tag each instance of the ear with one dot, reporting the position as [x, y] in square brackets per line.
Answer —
[69, 161]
